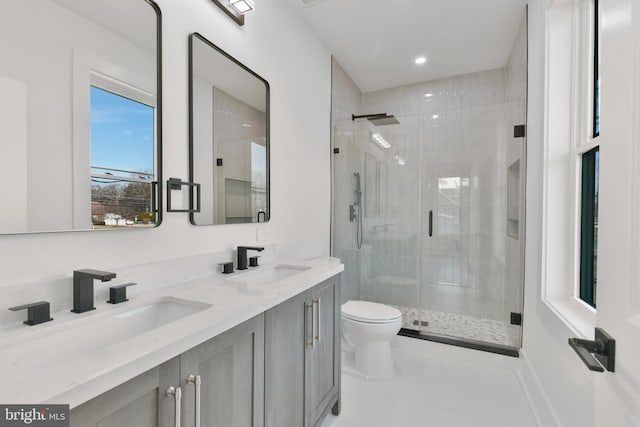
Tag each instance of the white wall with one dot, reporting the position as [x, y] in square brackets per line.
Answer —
[275, 44]
[565, 393]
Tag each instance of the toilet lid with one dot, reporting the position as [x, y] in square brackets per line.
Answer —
[369, 312]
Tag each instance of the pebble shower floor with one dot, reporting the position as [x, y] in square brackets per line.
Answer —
[456, 325]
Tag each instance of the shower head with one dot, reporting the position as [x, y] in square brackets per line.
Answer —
[381, 119]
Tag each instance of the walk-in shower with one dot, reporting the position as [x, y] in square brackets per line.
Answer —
[428, 210]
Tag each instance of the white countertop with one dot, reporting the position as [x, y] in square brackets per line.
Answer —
[37, 364]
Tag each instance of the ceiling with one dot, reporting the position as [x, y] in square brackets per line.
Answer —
[376, 41]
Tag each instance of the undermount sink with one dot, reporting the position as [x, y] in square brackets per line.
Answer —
[254, 280]
[151, 316]
[95, 336]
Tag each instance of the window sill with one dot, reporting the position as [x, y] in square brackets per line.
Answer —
[576, 315]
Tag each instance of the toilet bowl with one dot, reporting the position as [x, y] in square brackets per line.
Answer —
[368, 329]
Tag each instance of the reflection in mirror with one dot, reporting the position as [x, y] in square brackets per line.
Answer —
[79, 114]
[229, 141]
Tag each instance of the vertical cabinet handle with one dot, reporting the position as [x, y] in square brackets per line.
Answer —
[177, 397]
[196, 380]
[316, 308]
[311, 341]
[430, 223]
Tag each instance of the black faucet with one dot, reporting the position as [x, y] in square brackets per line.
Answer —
[242, 255]
[83, 288]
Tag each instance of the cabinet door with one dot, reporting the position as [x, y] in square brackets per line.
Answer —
[140, 402]
[323, 380]
[286, 331]
[231, 369]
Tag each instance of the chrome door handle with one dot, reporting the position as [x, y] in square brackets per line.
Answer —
[177, 397]
[316, 305]
[196, 380]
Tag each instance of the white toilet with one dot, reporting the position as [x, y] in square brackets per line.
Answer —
[368, 329]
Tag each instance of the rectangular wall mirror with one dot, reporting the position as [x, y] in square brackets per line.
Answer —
[229, 137]
[80, 115]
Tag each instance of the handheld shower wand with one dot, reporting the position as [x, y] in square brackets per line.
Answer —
[357, 204]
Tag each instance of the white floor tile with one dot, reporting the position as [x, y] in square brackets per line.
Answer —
[437, 385]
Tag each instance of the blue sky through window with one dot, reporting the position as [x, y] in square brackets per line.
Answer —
[122, 132]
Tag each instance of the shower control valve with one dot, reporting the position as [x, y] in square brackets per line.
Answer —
[352, 213]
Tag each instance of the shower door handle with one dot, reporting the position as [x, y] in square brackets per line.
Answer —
[430, 223]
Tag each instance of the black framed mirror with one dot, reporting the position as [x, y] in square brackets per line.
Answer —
[228, 137]
[80, 115]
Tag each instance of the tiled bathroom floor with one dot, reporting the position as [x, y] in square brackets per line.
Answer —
[456, 325]
[437, 385]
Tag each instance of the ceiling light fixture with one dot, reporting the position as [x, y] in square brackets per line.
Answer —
[420, 60]
[242, 6]
[235, 9]
[435, 116]
[428, 95]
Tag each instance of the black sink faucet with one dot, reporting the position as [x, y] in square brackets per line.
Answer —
[83, 288]
[242, 255]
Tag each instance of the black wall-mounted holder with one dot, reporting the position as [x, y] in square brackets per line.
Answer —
[176, 184]
[37, 312]
[118, 293]
[227, 267]
[599, 354]
[519, 131]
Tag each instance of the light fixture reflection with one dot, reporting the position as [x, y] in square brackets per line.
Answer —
[379, 140]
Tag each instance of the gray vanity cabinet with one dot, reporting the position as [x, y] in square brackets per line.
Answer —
[139, 402]
[302, 357]
[324, 356]
[231, 372]
[278, 369]
[230, 368]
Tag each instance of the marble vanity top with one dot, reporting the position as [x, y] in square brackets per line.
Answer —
[73, 358]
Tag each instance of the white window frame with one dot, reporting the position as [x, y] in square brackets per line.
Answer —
[568, 135]
[117, 87]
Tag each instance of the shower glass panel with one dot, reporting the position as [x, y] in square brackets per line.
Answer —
[436, 225]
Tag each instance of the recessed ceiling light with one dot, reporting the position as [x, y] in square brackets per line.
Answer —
[428, 95]
[420, 60]
[435, 116]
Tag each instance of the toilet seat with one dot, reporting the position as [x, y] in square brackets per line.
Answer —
[370, 312]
